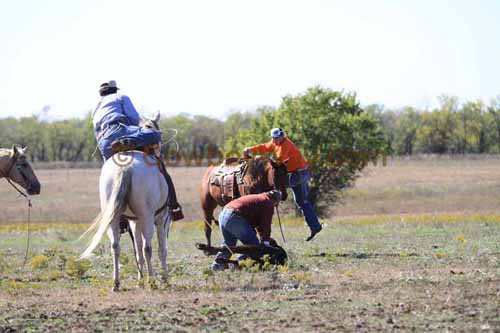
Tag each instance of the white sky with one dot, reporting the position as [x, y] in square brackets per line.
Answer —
[210, 57]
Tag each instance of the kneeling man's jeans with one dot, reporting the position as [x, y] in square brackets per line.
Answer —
[233, 228]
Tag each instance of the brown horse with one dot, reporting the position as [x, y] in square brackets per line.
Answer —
[15, 167]
[236, 177]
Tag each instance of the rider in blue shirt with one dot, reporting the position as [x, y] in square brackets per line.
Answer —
[116, 118]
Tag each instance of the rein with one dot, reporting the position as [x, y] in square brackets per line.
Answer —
[279, 222]
[29, 218]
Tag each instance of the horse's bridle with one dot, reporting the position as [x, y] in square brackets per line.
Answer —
[9, 169]
[6, 174]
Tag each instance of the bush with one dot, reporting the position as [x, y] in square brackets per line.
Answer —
[337, 137]
[39, 262]
[77, 268]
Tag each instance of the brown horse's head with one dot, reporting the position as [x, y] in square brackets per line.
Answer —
[280, 177]
[18, 169]
[264, 175]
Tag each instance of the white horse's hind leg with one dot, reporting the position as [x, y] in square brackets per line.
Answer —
[114, 237]
[139, 256]
[162, 232]
[148, 231]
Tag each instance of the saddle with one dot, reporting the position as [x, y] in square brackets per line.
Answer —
[229, 178]
[128, 144]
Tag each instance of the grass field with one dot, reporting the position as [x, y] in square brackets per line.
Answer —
[415, 246]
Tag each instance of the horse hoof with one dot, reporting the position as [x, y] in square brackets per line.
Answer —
[115, 288]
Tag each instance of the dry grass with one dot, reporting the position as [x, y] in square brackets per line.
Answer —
[363, 277]
[72, 196]
[420, 185]
[426, 185]
[416, 246]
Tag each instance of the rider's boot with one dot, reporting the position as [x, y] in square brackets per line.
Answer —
[173, 204]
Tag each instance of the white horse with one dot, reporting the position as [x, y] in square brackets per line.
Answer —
[132, 184]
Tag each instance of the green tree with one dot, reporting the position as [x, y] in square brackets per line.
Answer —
[473, 128]
[407, 123]
[494, 113]
[335, 134]
[388, 122]
[256, 125]
[435, 136]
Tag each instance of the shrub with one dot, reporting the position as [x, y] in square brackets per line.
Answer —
[77, 268]
[39, 262]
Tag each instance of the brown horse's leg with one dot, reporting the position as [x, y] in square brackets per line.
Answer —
[208, 209]
[208, 204]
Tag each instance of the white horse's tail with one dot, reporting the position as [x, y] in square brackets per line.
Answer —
[115, 205]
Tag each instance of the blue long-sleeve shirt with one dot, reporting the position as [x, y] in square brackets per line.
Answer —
[114, 108]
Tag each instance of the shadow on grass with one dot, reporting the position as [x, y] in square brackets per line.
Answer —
[364, 255]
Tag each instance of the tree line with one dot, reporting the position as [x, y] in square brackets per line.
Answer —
[451, 128]
[472, 127]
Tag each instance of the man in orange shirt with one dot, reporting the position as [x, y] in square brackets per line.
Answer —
[298, 173]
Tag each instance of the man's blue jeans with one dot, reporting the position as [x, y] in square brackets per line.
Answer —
[298, 183]
[233, 228]
[114, 132]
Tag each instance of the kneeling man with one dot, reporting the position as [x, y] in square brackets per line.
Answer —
[240, 218]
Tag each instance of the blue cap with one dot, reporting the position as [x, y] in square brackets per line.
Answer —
[277, 132]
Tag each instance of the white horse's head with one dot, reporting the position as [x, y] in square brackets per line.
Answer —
[151, 122]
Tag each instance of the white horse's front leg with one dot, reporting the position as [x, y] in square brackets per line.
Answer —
[114, 237]
[162, 232]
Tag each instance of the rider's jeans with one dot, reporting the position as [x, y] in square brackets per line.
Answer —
[116, 131]
[298, 183]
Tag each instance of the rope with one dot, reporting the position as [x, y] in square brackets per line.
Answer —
[6, 175]
[18, 190]
[95, 151]
[29, 218]
[172, 138]
[28, 240]
[279, 221]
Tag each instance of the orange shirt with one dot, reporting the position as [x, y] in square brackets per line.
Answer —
[287, 150]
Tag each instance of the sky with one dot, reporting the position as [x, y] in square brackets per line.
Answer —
[215, 57]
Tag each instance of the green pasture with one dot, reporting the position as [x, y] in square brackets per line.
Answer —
[416, 272]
